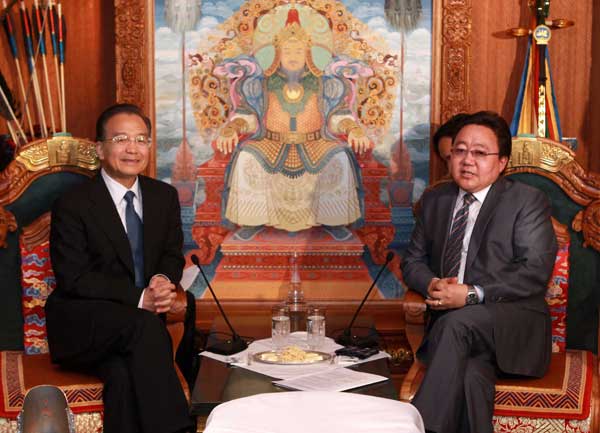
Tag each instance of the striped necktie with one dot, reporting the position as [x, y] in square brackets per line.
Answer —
[455, 240]
[136, 240]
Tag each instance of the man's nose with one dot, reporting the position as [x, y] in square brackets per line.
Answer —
[469, 159]
[131, 146]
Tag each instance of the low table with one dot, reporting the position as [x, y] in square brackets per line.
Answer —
[218, 382]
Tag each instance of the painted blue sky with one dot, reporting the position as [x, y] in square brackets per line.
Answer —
[359, 8]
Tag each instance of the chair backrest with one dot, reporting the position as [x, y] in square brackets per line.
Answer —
[40, 172]
[575, 198]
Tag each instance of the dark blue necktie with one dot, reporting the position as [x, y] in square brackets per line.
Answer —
[136, 240]
[455, 240]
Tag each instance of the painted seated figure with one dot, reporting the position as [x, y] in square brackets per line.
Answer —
[293, 129]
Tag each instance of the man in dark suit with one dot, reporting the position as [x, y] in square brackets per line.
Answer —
[116, 250]
[482, 252]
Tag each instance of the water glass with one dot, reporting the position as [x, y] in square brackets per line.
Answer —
[280, 326]
[315, 327]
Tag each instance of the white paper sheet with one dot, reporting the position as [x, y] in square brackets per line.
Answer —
[337, 379]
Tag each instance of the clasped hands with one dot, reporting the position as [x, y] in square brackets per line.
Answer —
[159, 295]
[446, 294]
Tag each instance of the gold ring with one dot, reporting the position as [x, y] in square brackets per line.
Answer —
[439, 302]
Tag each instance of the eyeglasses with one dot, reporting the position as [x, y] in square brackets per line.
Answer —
[477, 154]
[123, 139]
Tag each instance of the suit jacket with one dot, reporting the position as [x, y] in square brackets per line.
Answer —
[92, 259]
[511, 256]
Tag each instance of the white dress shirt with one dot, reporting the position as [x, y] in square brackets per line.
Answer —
[117, 193]
[474, 209]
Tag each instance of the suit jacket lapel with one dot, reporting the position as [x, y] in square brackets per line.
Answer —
[485, 214]
[151, 206]
[446, 205]
[108, 219]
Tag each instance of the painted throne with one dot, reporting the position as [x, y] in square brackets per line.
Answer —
[215, 98]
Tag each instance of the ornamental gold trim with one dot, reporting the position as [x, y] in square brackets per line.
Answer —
[539, 152]
[59, 151]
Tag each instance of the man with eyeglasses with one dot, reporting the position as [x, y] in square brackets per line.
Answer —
[116, 250]
[482, 252]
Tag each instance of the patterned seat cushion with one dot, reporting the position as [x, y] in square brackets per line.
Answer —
[564, 392]
[37, 280]
[557, 298]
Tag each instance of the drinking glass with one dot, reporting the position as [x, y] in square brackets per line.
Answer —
[280, 326]
[315, 327]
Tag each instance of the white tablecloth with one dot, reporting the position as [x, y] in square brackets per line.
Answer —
[312, 412]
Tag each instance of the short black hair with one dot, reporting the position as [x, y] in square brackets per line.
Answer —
[497, 124]
[112, 111]
[448, 129]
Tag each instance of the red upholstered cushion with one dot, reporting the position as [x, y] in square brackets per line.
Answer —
[564, 393]
[19, 373]
[556, 297]
[38, 282]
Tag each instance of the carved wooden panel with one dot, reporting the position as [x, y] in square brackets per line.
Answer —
[8, 223]
[455, 57]
[134, 59]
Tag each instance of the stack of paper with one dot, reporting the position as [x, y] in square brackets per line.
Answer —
[337, 379]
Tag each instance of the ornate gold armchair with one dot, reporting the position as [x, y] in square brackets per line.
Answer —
[42, 171]
[566, 399]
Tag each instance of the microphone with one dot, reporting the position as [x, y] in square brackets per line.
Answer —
[346, 338]
[231, 345]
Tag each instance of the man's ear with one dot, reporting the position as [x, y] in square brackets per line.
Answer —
[100, 150]
[504, 162]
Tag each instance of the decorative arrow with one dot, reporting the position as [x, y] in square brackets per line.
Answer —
[12, 42]
[28, 41]
[38, 30]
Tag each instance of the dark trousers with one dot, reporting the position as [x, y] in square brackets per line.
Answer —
[130, 350]
[187, 353]
[457, 392]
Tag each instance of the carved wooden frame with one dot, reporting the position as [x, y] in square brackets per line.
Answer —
[451, 57]
[134, 58]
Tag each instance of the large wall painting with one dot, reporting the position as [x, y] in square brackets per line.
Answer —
[295, 132]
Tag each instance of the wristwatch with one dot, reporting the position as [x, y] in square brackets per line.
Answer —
[472, 297]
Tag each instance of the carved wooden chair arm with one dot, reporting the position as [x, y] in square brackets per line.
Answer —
[414, 316]
[176, 318]
[414, 308]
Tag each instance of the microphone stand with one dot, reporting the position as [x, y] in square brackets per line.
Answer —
[346, 338]
[231, 345]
